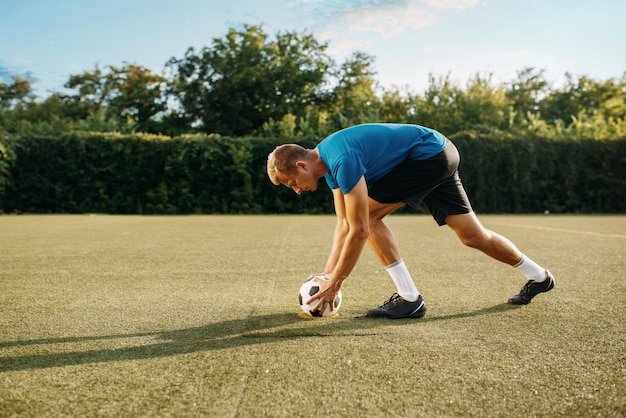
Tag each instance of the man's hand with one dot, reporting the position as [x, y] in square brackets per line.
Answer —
[326, 295]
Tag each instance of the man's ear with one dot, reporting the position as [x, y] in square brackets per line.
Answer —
[302, 164]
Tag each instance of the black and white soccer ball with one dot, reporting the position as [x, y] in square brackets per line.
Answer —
[309, 288]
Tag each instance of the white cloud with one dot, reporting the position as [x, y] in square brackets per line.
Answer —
[340, 47]
[385, 20]
[391, 19]
[451, 4]
[351, 25]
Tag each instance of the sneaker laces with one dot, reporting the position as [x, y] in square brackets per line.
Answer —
[526, 289]
[392, 300]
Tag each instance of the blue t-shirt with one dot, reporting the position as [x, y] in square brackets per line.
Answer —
[373, 150]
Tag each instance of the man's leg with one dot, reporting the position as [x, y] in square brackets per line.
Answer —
[471, 233]
[407, 303]
[381, 239]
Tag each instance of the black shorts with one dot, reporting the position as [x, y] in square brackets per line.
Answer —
[435, 181]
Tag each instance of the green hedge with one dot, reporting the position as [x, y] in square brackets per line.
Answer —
[147, 174]
[535, 175]
[110, 173]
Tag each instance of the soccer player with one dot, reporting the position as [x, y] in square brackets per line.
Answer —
[374, 169]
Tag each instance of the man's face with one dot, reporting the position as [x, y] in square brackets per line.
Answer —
[301, 181]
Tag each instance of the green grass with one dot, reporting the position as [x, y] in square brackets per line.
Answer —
[197, 316]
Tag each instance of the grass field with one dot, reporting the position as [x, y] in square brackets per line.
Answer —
[197, 316]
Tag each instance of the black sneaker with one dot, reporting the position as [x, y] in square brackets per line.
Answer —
[532, 289]
[398, 307]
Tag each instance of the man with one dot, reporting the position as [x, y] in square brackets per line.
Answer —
[374, 169]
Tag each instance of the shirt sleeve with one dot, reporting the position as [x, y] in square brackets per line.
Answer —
[348, 172]
[330, 181]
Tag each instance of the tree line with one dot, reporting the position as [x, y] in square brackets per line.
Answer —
[194, 138]
[248, 83]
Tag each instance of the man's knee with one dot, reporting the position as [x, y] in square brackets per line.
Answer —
[474, 239]
[375, 222]
[377, 211]
[469, 230]
[376, 216]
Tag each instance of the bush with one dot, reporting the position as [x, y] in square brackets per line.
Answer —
[147, 174]
[6, 162]
[516, 175]
[150, 174]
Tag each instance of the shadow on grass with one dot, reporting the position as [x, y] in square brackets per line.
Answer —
[255, 329]
[503, 307]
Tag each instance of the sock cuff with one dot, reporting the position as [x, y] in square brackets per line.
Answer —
[392, 265]
[531, 270]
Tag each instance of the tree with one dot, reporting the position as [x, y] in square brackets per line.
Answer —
[11, 96]
[243, 80]
[396, 106]
[298, 70]
[91, 93]
[354, 100]
[136, 93]
[118, 96]
[483, 105]
[584, 97]
[19, 89]
[526, 92]
[447, 107]
[438, 107]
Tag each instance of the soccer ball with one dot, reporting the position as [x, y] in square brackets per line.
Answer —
[309, 288]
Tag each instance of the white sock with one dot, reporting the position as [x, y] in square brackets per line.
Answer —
[403, 281]
[531, 269]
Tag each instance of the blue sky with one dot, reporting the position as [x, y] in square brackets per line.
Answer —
[409, 39]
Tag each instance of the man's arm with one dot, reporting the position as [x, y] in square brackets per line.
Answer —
[348, 244]
[341, 231]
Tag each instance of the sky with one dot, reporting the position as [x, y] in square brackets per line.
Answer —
[49, 40]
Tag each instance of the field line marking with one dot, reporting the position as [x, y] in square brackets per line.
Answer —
[572, 231]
